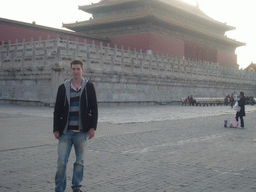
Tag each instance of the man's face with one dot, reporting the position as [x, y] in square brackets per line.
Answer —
[77, 71]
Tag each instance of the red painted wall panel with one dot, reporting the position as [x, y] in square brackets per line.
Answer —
[200, 53]
[227, 59]
[166, 45]
[132, 41]
[149, 41]
[12, 32]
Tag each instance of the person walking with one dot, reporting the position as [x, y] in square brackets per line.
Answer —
[241, 113]
[75, 120]
[235, 97]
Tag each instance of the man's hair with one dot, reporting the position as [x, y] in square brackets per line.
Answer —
[77, 62]
[242, 93]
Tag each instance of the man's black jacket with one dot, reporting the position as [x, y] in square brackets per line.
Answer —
[88, 108]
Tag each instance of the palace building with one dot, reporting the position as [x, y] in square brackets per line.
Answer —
[170, 27]
[136, 52]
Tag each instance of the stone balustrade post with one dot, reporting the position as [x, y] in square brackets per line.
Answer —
[191, 67]
[172, 66]
[150, 63]
[132, 59]
[132, 63]
[88, 60]
[101, 61]
[165, 58]
[56, 42]
[112, 62]
[135, 61]
[74, 54]
[198, 67]
[104, 58]
[115, 50]
[77, 46]
[16, 47]
[8, 48]
[23, 52]
[48, 40]
[179, 67]
[100, 53]
[39, 41]
[45, 52]
[67, 45]
[168, 64]
[186, 66]
[122, 59]
[12, 58]
[157, 63]
[2, 46]
[1, 52]
[141, 59]
[58, 56]
[97, 51]
[108, 50]
[33, 51]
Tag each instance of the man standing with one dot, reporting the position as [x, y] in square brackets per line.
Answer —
[75, 120]
[241, 113]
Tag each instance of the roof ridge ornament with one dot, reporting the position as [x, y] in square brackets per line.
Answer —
[197, 5]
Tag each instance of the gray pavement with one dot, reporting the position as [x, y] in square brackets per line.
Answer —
[159, 148]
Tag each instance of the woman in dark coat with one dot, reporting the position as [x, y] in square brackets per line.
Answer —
[241, 113]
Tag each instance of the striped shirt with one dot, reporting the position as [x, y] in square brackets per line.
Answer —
[73, 123]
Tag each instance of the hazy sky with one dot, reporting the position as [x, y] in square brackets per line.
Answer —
[52, 13]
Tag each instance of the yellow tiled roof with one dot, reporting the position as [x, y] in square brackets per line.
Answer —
[178, 4]
[146, 14]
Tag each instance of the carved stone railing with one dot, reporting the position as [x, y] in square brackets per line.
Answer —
[48, 61]
[97, 57]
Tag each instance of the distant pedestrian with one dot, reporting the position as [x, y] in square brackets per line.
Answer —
[187, 100]
[235, 97]
[231, 100]
[241, 113]
[75, 120]
[191, 100]
[226, 101]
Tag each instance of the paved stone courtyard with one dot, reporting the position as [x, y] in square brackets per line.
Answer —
[159, 148]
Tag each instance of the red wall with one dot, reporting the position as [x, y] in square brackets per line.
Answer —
[12, 32]
[200, 53]
[166, 45]
[149, 41]
[138, 41]
[227, 59]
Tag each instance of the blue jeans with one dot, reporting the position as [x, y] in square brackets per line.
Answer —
[65, 144]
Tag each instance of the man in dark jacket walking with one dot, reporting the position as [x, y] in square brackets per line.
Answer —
[241, 113]
[75, 120]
